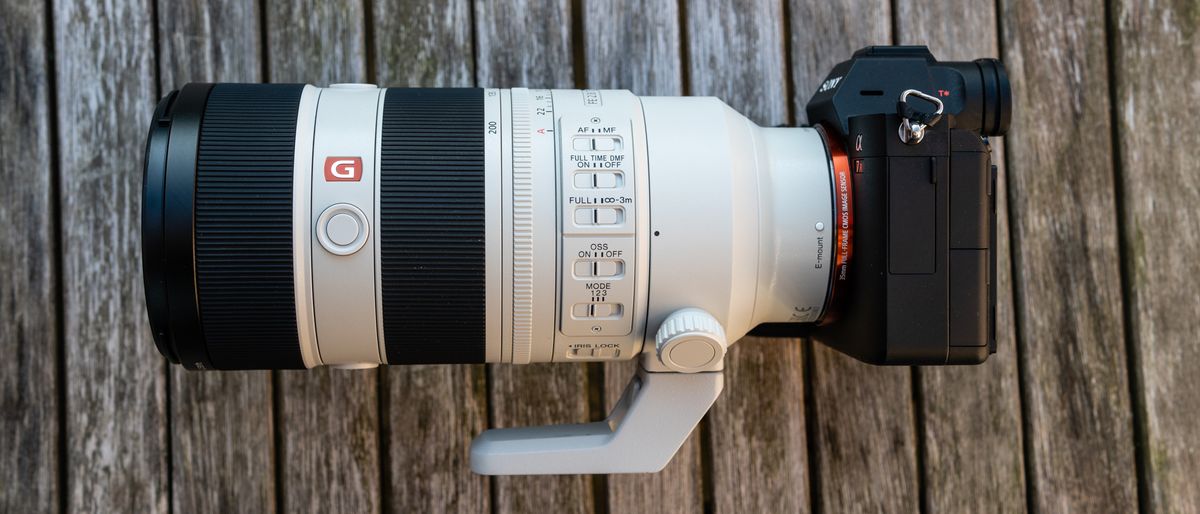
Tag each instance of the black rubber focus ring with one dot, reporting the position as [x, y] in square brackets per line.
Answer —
[432, 243]
[243, 226]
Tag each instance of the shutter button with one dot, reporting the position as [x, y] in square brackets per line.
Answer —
[342, 229]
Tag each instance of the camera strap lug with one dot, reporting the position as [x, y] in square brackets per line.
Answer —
[913, 122]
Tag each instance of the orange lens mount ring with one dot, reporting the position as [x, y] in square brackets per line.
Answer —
[843, 220]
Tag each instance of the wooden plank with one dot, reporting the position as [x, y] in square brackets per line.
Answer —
[328, 418]
[973, 459]
[116, 413]
[329, 449]
[315, 42]
[736, 52]
[222, 442]
[29, 394]
[426, 44]
[1066, 272]
[208, 40]
[635, 45]
[222, 459]
[523, 43]
[1157, 74]
[865, 452]
[528, 43]
[756, 430]
[430, 413]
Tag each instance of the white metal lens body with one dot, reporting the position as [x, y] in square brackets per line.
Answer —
[605, 213]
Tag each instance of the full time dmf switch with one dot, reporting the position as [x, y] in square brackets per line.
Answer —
[597, 180]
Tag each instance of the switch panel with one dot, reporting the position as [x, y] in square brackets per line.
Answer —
[598, 228]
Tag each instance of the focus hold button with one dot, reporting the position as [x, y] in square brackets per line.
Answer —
[342, 229]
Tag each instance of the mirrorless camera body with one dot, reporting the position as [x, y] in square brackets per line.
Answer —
[290, 226]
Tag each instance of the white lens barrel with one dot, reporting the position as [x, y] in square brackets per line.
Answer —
[602, 214]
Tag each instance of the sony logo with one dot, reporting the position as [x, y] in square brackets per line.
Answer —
[829, 84]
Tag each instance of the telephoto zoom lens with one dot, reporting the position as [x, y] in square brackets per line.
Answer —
[293, 226]
[290, 226]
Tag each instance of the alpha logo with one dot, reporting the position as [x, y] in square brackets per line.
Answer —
[343, 169]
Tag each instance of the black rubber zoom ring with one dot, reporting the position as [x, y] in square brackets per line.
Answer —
[243, 223]
[432, 244]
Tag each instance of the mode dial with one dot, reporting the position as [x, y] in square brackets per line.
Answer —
[690, 340]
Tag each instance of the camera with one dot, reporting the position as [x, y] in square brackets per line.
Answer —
[291, 226]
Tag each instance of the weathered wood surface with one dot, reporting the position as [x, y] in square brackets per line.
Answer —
[635, 45]
[972, 456]
[756, 430]
[29, 330]
[423, 44]
[1066, 270]
[1103, 188]
[429, 413]
[528, 43]
[328, 419]
[116, 389]
[222, 459]
[865, 442]
[523, 43]
[1156, 102]
[736, 51]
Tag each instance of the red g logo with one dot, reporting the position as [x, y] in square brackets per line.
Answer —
[343, 169]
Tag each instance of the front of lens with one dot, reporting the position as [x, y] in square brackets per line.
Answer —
[217, 226]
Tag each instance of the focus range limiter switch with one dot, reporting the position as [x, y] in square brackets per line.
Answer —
[593, 216]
